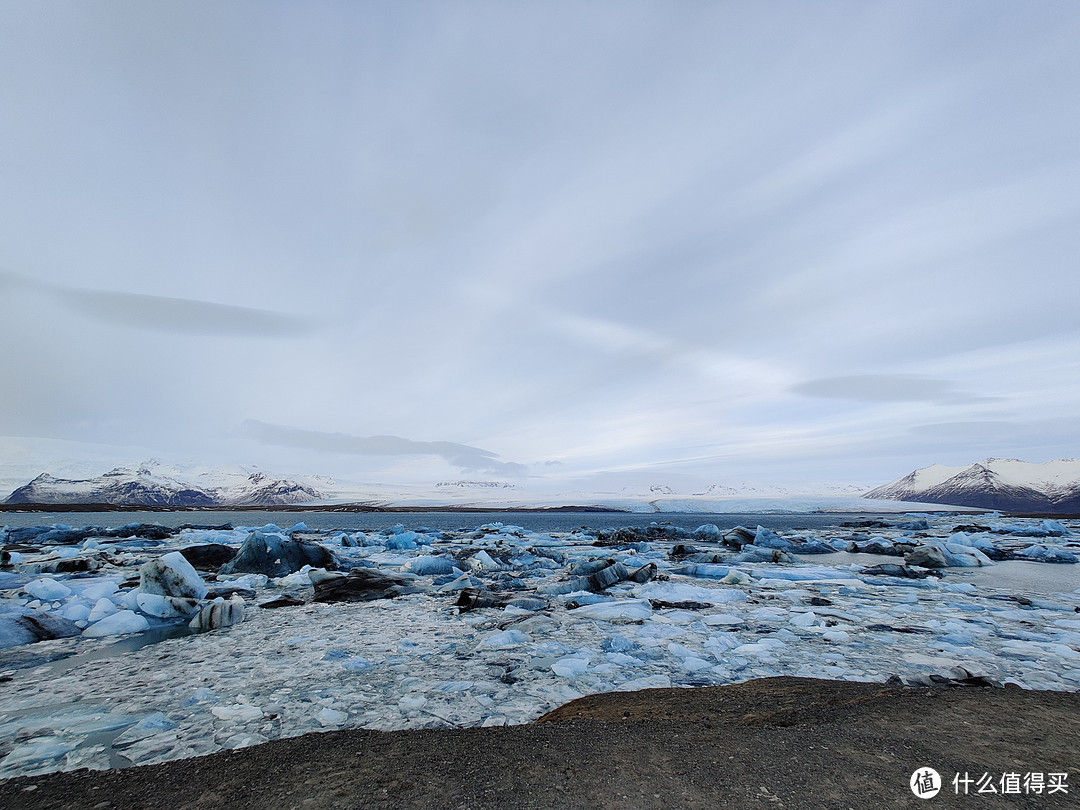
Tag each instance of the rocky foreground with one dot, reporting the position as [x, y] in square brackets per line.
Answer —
[775, 743]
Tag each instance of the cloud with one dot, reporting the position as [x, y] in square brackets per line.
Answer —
[887, 388]
[162, 313]
[460, 455]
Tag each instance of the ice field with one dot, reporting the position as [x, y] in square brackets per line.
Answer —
[142, 643]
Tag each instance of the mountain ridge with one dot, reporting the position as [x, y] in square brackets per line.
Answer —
[145, 486]
[1008, 485]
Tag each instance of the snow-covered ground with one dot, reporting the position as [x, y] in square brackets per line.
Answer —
[710, 613]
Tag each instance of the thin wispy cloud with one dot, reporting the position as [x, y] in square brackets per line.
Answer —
[459, 455]
[163, 313]
[887, 388]
[710, 236]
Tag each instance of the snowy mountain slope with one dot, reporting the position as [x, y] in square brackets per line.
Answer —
[1006, 484]
[149, 486]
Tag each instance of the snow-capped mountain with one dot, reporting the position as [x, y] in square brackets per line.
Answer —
[1006, 484]
[148, 486]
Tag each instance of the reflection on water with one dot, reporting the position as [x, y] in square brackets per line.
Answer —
[1021, 577]
[1015, 577]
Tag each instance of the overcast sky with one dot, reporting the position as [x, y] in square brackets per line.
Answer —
[775, 242]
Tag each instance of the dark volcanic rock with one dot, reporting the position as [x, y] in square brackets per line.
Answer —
[474, 598]
[209, 556]
[904, 571]
[285, 600]
[362, 585]
[643, 574]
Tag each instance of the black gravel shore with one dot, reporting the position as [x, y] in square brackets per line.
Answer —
[772, 743]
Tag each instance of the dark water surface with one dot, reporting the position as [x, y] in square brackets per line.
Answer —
[447, 521]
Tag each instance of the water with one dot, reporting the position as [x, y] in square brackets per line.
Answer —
[447, 521]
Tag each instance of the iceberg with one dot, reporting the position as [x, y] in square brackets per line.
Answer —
[118, 624]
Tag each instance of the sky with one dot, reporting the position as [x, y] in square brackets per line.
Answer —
[695, 242]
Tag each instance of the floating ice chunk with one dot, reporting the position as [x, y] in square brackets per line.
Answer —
[36, 753]
[118, 624]
[765, 538]
[616, 610]
[682, 592]
[1043, 554]
[47, 590]
[356, 664]
[769, 614]
[807, 619]
[156, 722]
[219, 613]
[958, 587]
[619, 644]
[271, 554]
[963, 551]
[165, 607]
[705, 570]
[453, 686]
[102, 608]
[202, 695]
[1055, 529]
[74, 612]
[503, 640]
[331, 717]
[624, 660]
[297, 579]
[979, 541]
[237, 713]
[411, 702]
[402, 540]
[429, 565]
[764, 647]
[482, 561]
[694, 664]
[252, 582]
[570, 667]
[812, 573]
[755, 553]
[735, 577]
[459, 584]
[836, 636]
[650, 682]
[677, 616]
[721, 619]
[171, 575]
[94, 590]
[709, 532]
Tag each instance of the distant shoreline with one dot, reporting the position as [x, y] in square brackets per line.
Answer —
[336, 507]
[376, 508]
